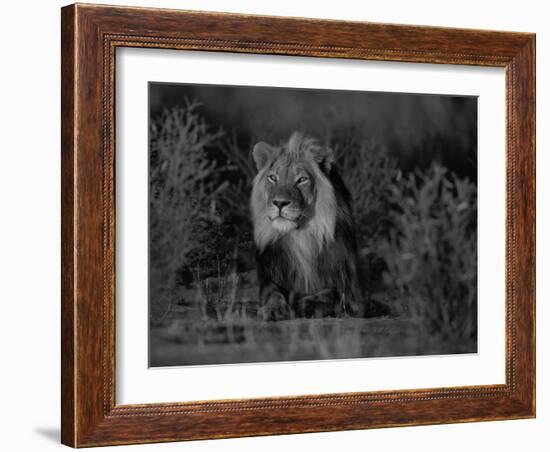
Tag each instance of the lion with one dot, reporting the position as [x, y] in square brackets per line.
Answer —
[303, 231]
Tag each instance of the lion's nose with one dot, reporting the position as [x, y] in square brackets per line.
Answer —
[280, 203]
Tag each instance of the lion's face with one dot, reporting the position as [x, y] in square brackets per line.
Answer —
[291, 187]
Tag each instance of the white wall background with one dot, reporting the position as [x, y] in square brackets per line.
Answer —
[30, 211]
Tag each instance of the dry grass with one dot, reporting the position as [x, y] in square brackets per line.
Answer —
[181, 341]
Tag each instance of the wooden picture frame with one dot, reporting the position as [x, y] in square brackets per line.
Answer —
[90, 35]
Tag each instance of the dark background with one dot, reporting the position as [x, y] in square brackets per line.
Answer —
[416, 129]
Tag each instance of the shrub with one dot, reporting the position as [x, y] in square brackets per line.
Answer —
[240, 171]
[183, 186]
[368, 173]
[431, 249]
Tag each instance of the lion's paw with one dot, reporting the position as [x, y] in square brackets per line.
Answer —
[276, 308]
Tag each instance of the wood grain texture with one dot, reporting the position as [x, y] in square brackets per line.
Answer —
[90, 36]
[68, 147]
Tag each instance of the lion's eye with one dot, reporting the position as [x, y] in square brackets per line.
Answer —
[272, 178]
[302, 180]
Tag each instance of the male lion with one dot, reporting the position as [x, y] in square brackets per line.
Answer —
[304, 232]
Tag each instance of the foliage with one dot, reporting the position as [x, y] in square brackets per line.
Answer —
[240, 171]
[183, 187]
[368, 172]
[431, 249]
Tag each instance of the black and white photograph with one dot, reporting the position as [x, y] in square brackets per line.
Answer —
[290, 224]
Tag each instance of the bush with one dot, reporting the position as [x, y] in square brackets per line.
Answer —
[239, 170]
[431, 249]
[368, 173]
[183, 186]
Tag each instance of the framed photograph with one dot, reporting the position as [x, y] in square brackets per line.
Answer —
[280, 225]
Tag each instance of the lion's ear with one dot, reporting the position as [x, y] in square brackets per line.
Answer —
[262, 154]
[324, 156]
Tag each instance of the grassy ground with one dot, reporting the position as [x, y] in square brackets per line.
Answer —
[196, 333]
